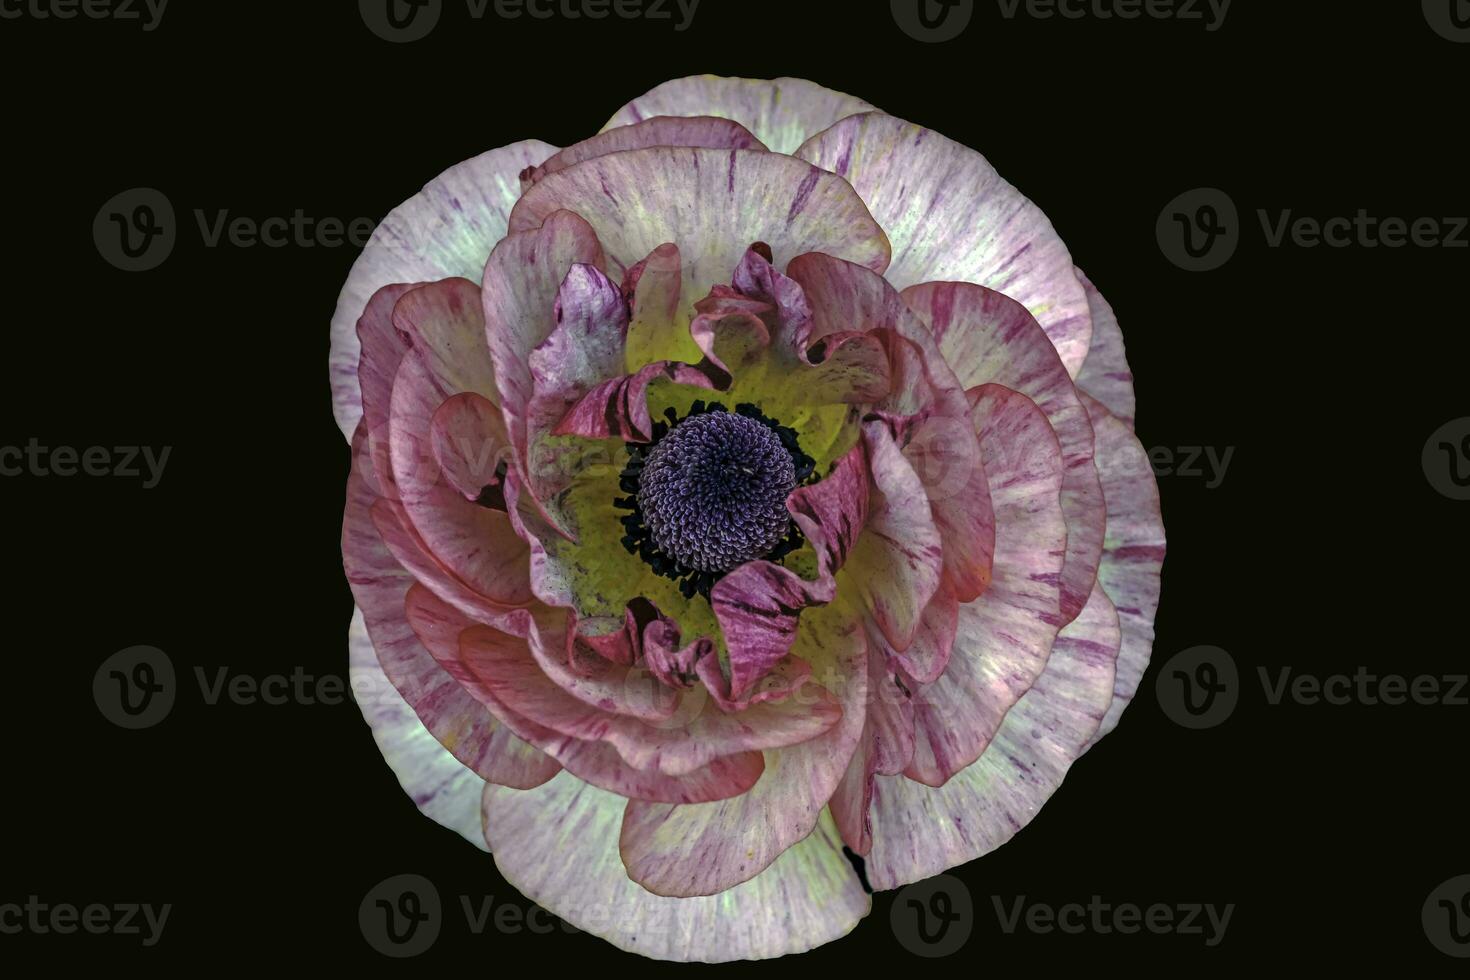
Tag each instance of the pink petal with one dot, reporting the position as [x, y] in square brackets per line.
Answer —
[1105, 375]
[477, 544]
[558, 846]
[897, 562]
[886, 746]
[991, 339]
[707, 848]
[450, 713]
[833, 511]
[439, 627]
[1004, 637]
[952, 217]
[383, 348]
[781, 111]
[985, 805]
[469, 443]
[447, 229]
[1133, 554]
[438, 783]
[759, 606]
[712, 203]
[522, 278]
[693, 738]
[672, 130]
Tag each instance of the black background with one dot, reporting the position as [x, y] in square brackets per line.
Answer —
[1323, 548]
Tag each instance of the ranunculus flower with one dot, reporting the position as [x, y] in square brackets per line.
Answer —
[753, 478]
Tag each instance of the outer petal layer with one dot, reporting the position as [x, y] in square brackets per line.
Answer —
[558, 844]
[447, 229]
[1133, 553]
[919, 831]
[711, 203]
[782, 112]
[950, 216]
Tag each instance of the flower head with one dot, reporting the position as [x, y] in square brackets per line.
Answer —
[752, 479]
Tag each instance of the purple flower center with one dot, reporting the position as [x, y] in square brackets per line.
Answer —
[713, 491]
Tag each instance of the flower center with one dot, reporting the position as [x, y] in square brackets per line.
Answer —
[709, 494]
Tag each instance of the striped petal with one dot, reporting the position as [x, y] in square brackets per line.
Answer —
[919, 831]
[447, 229]
[707, 848]
[782, 112]
[438, 783]
[1105, 375]
[713, 204]
[1133, 554]
[558, 845]
[950, 216]
[1003, 638]
[675, 130]
[991, 339]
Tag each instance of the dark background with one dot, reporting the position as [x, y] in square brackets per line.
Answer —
[1323, 548]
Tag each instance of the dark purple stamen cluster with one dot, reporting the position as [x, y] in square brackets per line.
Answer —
[709, 493]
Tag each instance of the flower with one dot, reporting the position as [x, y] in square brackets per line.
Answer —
[752, 479]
